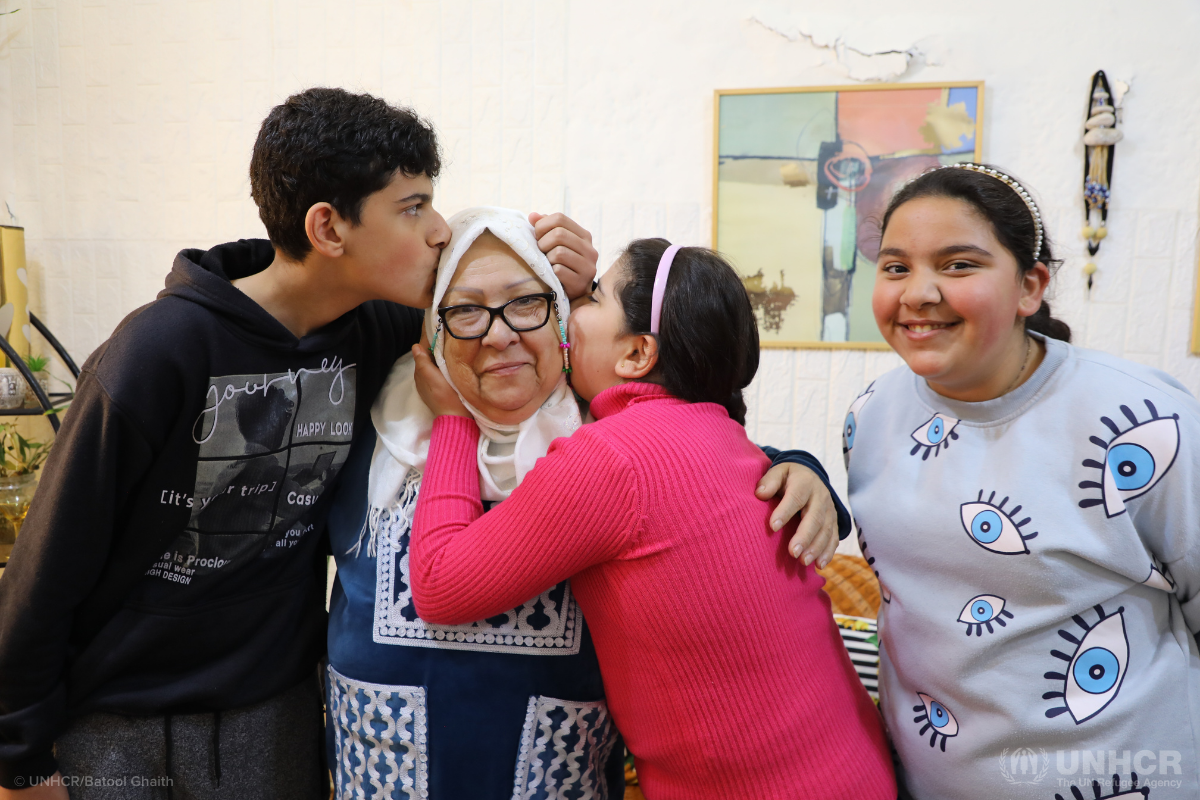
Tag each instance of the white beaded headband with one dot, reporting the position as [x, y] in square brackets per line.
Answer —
[1015, 185]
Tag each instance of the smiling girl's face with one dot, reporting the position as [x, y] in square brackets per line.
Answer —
[950, 300]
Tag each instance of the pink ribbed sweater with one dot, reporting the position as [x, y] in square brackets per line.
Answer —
[721, 662]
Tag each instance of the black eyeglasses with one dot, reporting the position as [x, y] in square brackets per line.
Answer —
[526, 313]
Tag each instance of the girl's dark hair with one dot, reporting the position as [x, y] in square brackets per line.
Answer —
[1011, 221]
[707, 337]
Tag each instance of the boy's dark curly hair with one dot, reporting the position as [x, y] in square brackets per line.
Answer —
[334, 146]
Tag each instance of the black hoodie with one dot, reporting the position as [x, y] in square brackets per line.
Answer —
[170, 562]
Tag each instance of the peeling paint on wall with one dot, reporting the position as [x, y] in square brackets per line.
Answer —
[860, 65]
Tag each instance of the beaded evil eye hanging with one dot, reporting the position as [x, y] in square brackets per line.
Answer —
[433, 345]
[562, 341]
[1098, 139]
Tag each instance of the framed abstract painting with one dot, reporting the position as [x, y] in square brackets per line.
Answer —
[800, 181]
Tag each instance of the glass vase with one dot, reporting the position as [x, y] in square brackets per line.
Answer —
[43, 380]
[16, 493]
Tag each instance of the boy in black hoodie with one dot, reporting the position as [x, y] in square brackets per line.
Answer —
[163, 611]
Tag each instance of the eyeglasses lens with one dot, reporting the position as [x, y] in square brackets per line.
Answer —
[522, 314]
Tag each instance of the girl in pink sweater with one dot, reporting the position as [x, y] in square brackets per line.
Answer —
[721, 662]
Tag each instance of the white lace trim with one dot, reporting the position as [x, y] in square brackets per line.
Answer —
[515, 634]
[380, 738]
[548, 766]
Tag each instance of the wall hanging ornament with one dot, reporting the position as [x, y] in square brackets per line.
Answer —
[1100, 136]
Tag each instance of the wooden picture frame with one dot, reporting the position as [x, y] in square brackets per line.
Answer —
[801, 176]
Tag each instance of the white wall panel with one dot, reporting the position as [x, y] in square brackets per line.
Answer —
[126, 129]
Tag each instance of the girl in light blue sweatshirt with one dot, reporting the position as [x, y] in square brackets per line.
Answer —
[1031, 510]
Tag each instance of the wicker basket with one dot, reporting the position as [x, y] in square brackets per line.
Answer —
[852, 586]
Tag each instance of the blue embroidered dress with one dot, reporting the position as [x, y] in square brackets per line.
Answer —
[509, 707]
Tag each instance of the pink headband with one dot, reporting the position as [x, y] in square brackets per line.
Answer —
[660, 285]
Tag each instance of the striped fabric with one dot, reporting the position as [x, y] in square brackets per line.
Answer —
[861, 637]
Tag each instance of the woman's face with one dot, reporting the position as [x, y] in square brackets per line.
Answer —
[598, 339]
[505, 375]
[949, 300]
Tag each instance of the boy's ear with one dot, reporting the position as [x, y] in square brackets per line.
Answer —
[325, 229]
[640, 357]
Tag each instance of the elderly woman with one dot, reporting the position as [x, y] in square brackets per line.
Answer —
[506, 707]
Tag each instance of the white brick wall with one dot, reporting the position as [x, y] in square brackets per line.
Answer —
[126, 127]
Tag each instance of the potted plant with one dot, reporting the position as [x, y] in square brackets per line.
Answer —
[19, 462]
[37, 365]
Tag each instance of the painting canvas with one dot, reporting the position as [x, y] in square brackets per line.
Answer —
[802, 177]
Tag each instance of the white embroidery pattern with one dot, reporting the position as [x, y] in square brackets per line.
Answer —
[564, 748]
[546, 625]
[380, 740]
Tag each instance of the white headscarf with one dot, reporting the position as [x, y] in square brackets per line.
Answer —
[403, 423]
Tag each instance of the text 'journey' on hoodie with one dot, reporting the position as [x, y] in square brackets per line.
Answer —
[171, 560]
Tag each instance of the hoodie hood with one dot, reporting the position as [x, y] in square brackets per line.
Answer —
[204, 277]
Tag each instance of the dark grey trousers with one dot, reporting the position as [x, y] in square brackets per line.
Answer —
[269, 751]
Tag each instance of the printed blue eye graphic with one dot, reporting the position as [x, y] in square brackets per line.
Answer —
[993, 528]
[984, 610]
[934, 435]
[862, 546]
[851, 426]
[1095, 671]
[935, 716]
[1134, 461]
[1129, 794]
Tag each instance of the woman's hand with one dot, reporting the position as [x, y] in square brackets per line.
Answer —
[432, 385]
[568, 246]
[816, 537]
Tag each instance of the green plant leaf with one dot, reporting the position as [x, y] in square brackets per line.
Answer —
[37, 363]
[21, 456]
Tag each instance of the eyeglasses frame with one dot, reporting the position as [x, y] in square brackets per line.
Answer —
[549, 297]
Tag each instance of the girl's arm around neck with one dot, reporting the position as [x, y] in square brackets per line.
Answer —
[578, 507]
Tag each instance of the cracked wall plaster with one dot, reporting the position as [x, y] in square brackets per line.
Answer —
[857, 64]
